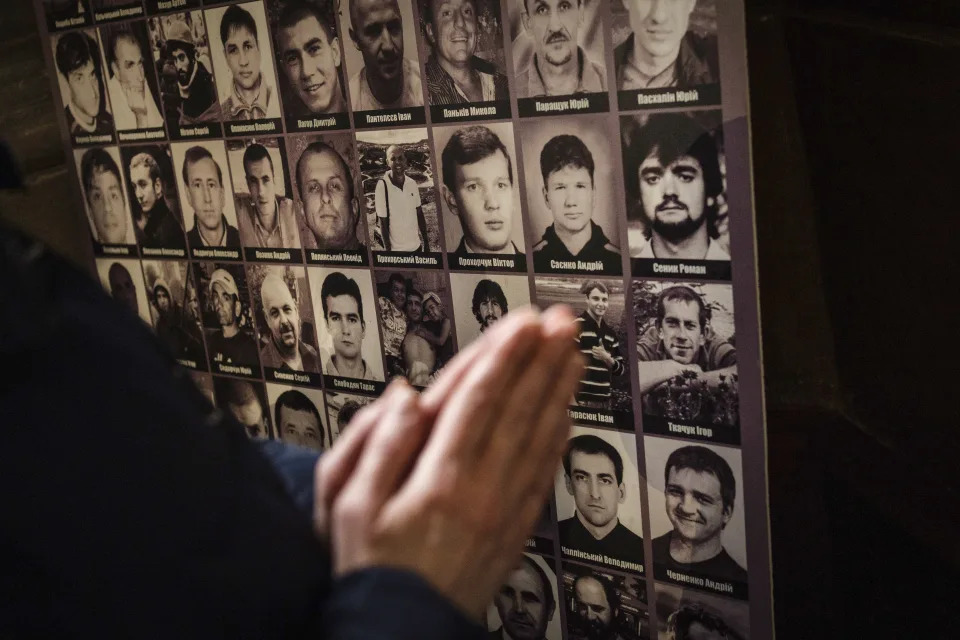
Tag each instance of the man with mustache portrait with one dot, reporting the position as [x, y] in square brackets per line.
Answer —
[331, 211]
[196, 92]
[264, 218]
[593, 475]
[596, 609]
[683, 344]
[559, 66]
[700, 490]
[387, 80]
[672, 170]
[284, 348]
[525, 603]
[489, 303]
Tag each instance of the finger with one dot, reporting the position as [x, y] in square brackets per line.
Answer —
[334, 467]
[528, 421]
[389, 452]
[436, 395]
[534, 472]
[461, 425]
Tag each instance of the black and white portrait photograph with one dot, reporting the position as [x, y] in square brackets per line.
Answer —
[687, 357]
[526, 607]
[675, 183]
[380, 56]
[243, 67]
[399, 198]
[246, 402]
[131, 79]
[602, 337]
[326, 188]
[309, 54]
[67, 14]
[154, 202]
[416, 318]
[466, 61]
[665, 52]
[297, 415]
[283, 314]
[570, 187]
[175, 310]
[111, 10]
[227, 318]
[699, 533]
[123, 280]
[181, 52]
[341, 408]
[206, 199]
[481, 300]
[558, 51]
[688, 613]
[480, 197]
[604, 606]
[80, 77]
[266, 217]
[105, 200]
[598, 500]
[347, 335]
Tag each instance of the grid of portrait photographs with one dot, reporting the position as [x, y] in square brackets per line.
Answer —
[306, 199]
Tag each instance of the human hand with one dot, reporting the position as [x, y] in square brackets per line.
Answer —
[603, 355]
[135, 94]
[446, 485]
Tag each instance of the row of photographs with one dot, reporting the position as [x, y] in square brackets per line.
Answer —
[350, 329]
[194, 70]
[598, 605]
[698, 537]
[486, 196]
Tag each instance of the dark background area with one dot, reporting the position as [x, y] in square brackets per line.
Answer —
[856, 149]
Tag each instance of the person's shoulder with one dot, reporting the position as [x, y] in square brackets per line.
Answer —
[565, 527]
[622, 50]
[661, 547]
[627, 535]
[233, 236]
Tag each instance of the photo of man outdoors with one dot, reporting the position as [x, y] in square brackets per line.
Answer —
[599, 343]
[230, 342]
[309, 59]
[195, 100]
[399, 206]
[454, 73]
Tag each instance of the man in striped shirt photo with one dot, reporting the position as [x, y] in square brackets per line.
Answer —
[600, 345]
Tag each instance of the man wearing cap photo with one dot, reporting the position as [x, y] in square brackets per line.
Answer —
[197, 93]
[229, 345]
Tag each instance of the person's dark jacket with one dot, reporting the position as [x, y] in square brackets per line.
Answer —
[133, 509]
[162, 228]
